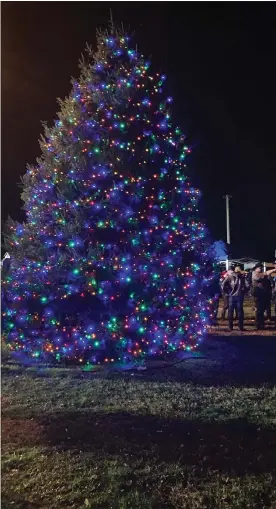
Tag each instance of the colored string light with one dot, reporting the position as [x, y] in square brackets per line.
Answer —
[112, 262]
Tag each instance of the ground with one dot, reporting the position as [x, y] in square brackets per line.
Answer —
[199, 434]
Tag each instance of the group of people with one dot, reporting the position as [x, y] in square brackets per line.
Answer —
[235, 284]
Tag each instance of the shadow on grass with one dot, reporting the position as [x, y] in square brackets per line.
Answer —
[233, 446]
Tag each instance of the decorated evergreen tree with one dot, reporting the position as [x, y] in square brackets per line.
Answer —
[111, 263]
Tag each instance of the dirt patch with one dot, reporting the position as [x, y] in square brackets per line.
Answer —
[221, 328]
[5, 401]
[21, 432]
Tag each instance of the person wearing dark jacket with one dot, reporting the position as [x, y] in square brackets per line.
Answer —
[274, 295]
[259, 292]
[237, 287]
[268, 296]
[225, 292]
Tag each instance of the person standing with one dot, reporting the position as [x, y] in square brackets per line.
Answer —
[274, 295]
[259, 292]
[238, 286]
[225, 290]
[268, 296]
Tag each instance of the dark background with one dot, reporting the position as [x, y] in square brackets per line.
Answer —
[220, 61]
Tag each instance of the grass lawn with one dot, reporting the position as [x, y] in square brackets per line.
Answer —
[201, 434]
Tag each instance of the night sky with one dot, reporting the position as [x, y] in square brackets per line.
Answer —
[220, 60]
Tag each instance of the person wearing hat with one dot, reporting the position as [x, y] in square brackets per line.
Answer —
[238, 286]
[259, 292]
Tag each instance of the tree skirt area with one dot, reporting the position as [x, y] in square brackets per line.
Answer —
[196, 434]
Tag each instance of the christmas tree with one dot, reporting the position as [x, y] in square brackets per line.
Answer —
[111, 263]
